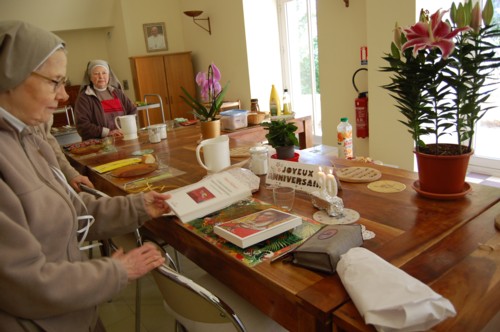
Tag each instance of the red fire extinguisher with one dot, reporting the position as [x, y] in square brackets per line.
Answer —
[361, 106]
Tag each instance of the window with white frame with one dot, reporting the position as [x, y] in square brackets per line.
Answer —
[299, 40]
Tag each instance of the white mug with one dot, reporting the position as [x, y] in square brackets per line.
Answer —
[215, 154]
[127, 125]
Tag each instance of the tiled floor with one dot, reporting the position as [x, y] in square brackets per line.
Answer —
[118, 315]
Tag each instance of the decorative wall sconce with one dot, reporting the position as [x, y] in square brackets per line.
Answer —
[194, 14]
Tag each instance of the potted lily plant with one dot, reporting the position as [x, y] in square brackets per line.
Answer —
[212, 95]
[281, 136]
[441, 81]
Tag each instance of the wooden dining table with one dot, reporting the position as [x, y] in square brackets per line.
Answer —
[450, 245]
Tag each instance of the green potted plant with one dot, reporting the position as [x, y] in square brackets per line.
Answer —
[212, 94]
[281, 136]
[441, 81]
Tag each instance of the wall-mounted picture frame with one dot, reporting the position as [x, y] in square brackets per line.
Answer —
[155, 36]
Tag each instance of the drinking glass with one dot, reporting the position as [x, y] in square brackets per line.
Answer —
[284, 197]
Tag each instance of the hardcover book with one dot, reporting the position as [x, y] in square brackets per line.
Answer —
[257, 227]
[207, 196]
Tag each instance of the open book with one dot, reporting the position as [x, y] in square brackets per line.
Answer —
[207, 196]
[257, 227]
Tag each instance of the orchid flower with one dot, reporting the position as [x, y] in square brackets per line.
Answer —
[432, 33]
[209, 82]
[211, 93]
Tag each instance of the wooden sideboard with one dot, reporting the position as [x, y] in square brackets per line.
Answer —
[164, 75]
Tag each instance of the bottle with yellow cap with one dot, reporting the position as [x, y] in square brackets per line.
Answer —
[274, 102]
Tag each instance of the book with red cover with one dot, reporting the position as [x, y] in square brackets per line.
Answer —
[257, 227]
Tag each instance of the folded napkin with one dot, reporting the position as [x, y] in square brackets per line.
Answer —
[389, 298]
[116, 164]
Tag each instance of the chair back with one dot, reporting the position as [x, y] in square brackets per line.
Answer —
[191, 301]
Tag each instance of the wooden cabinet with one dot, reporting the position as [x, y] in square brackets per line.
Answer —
[164, 75]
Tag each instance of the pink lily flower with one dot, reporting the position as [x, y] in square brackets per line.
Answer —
[435, 33]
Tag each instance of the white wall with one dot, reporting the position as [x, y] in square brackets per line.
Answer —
[225, 46]
[389, 139]
[341, 33]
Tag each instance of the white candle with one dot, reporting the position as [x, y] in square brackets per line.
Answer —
[321, 179]
[331, 184]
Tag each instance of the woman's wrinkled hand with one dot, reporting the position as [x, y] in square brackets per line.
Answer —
[155, 203]
[116, 133]
[140, 261]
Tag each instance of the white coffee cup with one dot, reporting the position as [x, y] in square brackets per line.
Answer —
[215, 154]
[128, 125]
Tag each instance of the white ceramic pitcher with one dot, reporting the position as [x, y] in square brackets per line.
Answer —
[215, 154]
[128, 125]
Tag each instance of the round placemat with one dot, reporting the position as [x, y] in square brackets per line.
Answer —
[358, 174]
[387, 186]
[348, 217]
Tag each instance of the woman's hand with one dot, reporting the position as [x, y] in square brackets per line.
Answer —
[155, 203]
[117, 133]
[75, 182]
[140, 261]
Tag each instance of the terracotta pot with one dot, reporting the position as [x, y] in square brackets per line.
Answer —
[442, 174]
[285, 152]
[210, 129]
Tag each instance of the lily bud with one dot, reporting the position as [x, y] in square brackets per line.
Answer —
[460, 16]
[475, 22]
[453, 13]
[397, 35]
[488, 12]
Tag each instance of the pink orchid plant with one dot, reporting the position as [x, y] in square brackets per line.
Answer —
[211, 92]
[442, 74]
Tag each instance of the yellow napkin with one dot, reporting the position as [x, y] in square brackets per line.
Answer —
[116, 164]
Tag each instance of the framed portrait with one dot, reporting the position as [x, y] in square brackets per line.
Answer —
[155, 36]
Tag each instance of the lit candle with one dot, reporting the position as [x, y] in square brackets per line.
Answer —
[331, 184]
[321, 179]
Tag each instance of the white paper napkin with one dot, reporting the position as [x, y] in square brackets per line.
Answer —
[388, 297]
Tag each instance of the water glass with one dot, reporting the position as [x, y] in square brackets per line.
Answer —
[284, 197]
[163, 159]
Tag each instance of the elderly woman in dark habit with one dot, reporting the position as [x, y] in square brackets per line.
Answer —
[100, 101]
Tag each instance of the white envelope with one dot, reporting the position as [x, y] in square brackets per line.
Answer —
[389, 298]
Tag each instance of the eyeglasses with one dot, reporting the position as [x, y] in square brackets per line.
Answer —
[57, 84]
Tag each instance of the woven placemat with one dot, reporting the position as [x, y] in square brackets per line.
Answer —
[358, 174]
[387, 186]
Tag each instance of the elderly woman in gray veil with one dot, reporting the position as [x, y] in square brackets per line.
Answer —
[100, 101]
[47, 281]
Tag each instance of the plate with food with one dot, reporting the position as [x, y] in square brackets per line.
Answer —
[134, 170]
[85, 147]
[147, 165]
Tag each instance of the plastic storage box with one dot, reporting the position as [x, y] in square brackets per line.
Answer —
[233, 119]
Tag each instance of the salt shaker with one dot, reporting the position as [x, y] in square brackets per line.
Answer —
[258, 160]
